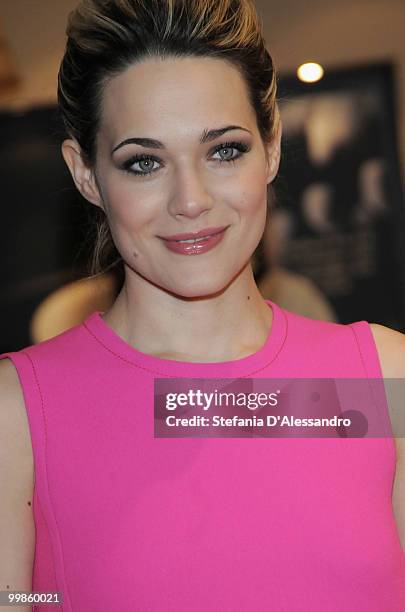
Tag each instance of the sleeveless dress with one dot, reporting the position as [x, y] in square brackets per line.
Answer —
[131, 522]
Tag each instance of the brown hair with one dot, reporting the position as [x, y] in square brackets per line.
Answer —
[107, 36]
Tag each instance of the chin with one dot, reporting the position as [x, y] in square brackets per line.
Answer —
[198, 289]
[209, 288]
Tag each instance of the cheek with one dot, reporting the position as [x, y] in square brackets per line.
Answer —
[130, 218]
[251, 200]
[127, 211]
[252, 210]
[252, 189]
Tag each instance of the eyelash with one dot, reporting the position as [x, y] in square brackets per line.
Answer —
[240, 146]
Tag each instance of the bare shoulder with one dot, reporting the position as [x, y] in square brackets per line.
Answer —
[17, 527]
[13, 416]
[391, 351]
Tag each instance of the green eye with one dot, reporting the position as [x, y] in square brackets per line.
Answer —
[241, 147]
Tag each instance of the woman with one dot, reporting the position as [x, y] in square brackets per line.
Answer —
[173, 127]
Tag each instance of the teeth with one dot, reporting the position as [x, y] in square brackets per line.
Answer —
[193, 239]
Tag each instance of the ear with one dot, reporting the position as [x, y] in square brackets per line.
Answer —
[274, 154]
[83, 176]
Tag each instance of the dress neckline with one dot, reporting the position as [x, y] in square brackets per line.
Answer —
[237, 368]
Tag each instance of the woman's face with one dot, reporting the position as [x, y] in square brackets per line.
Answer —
[181, 185]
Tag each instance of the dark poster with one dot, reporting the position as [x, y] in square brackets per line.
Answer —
[338, 193]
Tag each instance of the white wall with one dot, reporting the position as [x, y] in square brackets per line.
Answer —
[335, 33]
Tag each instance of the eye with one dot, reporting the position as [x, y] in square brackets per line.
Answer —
[228, 147]
[146, 162]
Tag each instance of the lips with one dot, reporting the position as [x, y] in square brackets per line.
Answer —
[208, 231]
[197, 245]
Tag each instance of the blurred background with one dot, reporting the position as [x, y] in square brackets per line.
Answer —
[334, 244]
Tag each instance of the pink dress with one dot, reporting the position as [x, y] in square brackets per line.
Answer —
[126, 521]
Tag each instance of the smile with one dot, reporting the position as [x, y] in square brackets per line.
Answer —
[195, 246]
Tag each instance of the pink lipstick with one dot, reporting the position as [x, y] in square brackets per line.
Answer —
[194, 243]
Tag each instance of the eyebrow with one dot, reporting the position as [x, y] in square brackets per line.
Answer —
[206, 136]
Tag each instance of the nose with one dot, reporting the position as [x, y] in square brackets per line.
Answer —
[190, 195]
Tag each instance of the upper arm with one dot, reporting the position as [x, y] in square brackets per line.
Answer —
[17, 530]
[391, 350]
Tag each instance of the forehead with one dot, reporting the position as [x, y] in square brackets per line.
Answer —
[175, 94]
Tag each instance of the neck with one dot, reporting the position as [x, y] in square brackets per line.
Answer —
[222, 327]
